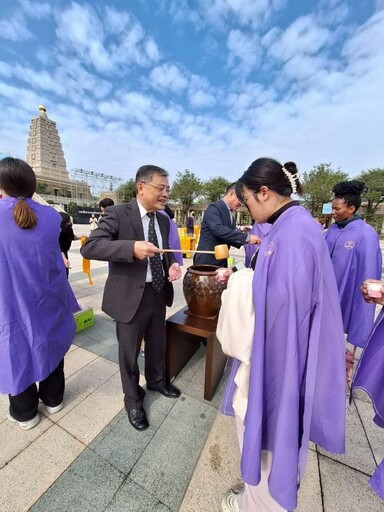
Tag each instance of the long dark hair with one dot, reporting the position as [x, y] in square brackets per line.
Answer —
[350, 192]
[17, 179]
[65, 221]
[283, 179]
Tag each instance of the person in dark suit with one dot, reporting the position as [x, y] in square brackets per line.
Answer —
[139, 285]
[218, 227]
[190, 224]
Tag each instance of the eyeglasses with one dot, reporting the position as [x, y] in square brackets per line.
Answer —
[160, 188]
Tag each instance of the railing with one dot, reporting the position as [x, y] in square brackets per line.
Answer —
[66, 200]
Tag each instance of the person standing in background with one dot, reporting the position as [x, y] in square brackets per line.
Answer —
[174, 239]
[93, 222]
[355, 253]
[104, 203]
[67, 236]
[190, 224]
[218, 227]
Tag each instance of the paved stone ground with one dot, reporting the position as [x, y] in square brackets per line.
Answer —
[87, 457]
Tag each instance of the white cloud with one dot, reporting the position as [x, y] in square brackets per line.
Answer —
[151, 50]
[244, 51]
[168, 77]
[116, 21]
[244, 12]
[181, 12]
[14, 28]
[108, 44]
[368, 41]
[200, 99]
[303, 36]
[38, 10]
[68, 80]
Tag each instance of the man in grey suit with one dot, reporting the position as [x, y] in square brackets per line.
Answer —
[139, 285]
[218, 227]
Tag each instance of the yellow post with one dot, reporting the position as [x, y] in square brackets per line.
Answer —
[86, 263]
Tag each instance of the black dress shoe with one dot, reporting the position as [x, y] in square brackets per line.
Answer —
[167, 390]
[138, 419]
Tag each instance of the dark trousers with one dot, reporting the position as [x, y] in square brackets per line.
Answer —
[148, 323]
[23, 407]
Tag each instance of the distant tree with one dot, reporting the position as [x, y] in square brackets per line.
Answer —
[185, 189]
[41, 187]
[214, 188]
[127, 191]
[374, 196]
[70, 207]
[318, 184]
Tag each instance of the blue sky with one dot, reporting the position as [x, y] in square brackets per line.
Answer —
[205, 85]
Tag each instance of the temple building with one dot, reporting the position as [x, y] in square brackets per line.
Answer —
[46, 157]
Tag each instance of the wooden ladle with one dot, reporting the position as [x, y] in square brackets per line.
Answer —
[221, 252]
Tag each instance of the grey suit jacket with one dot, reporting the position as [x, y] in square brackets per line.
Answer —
[113, 240]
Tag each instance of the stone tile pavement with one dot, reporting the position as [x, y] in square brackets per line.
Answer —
[87, 457]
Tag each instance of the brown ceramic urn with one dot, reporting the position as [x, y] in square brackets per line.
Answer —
[202, 290]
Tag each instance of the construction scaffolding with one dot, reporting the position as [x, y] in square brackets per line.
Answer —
[97, 181]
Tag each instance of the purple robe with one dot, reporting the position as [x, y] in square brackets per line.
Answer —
[297, 381]
[377, 480]
[369, 377]
[356, 256]
[36, 302]
[174, 239]
[259, 230]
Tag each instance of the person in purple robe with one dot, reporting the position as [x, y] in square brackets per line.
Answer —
[260, 230]
[369, 375]
[296, 375]
[174, 239]
[355, 253]
[37, 325]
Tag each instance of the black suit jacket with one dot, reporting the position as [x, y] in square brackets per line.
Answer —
[217, 228]
[113, 240]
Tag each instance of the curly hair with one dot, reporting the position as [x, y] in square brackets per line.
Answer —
[350, 192]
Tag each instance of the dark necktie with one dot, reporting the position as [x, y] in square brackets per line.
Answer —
[158, 279]
[233, 219]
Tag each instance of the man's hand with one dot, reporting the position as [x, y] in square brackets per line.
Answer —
[142, 250]
[253, 239]
[365, 292]
[174, 272]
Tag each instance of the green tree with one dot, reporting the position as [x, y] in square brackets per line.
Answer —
[126, 191]
[41, 187]
[185, 189]
[214, 188]
[70, 207]
[318, 184]
[374, 195]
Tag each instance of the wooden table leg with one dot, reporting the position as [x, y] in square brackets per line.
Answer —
[181, 346]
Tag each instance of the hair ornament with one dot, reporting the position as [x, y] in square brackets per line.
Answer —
[20, 198]
[293, 178]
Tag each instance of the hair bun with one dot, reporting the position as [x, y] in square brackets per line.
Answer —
[349, 188]
[291, 167]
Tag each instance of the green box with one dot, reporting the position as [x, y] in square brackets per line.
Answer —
[84, 319]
